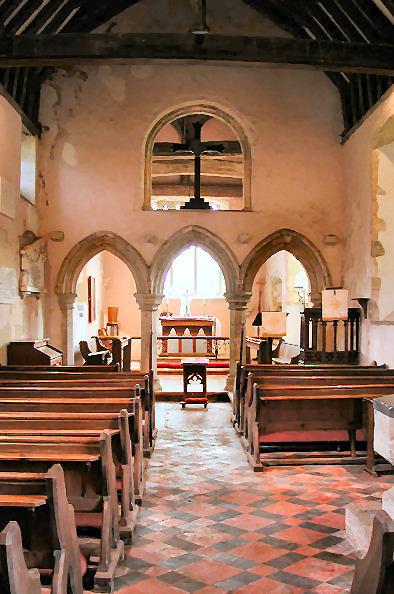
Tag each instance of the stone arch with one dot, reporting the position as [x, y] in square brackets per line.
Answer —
[71, 268]
[184, 238]
[298, 245]
[381, 246]
[189, 109]
[89, 247]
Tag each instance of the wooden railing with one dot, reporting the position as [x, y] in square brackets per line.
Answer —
[336, 341]
[215, 346]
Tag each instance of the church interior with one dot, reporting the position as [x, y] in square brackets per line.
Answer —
[196, 296]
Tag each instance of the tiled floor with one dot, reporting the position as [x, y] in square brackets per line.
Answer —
[209, 525]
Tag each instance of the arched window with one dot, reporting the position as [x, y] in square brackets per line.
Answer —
[195, 273]
[197, 160]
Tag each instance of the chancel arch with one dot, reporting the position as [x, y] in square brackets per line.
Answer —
[234, 163]
[222, 253]
[301, 248]
[76, 260]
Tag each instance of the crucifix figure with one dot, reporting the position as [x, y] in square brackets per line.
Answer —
[185, 310]
[192, 145]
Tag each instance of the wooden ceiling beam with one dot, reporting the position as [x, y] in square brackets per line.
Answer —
[69, 49]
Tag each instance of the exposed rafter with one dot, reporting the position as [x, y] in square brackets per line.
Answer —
[368, 22]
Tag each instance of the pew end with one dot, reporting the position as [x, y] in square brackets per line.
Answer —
[15, 577]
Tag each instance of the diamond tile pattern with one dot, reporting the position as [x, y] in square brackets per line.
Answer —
[210, 525]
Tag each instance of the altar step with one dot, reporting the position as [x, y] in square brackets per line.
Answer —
[178, 396]
[174, 366]
[176, 371]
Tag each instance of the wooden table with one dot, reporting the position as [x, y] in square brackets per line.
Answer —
[195, 369]
[192, 323]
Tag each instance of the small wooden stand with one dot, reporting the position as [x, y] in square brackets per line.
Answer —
[195, 369]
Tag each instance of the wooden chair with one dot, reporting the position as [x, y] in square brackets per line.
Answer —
[90, 358]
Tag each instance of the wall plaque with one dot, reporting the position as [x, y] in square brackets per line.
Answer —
[8, 285]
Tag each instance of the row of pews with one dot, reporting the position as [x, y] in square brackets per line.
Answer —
[72, 447]
[300, 414]
[294, 414]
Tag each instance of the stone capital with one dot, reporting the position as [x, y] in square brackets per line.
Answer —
[148, 301]
[66, 300]
[238, 301]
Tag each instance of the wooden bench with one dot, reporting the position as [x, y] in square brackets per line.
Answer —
[306, 409]
[91, 487]
[46, 538]
[109, 399]
[63, 368]
[243, 372]
[131, 379]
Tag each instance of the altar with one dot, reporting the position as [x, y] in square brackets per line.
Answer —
[188, 336]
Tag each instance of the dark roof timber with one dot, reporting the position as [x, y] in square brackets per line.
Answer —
[366, 22]
[65, 49]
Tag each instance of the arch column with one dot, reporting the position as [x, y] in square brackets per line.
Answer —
[66, 304]
[237, 303]
[149, 304]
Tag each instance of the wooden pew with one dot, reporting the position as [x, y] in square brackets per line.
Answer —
[296, 371]
[29, 431]
[131, 379]
[304, 407]
[63, 368]
[77, 399]
[374, 574]
[38, 502]
[91, 486]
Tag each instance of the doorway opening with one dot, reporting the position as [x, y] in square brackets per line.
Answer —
[105, 305]
[281, 285]
[193, 321]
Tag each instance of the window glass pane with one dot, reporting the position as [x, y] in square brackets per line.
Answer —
[195, 271]
[182, 275]
[209, 276]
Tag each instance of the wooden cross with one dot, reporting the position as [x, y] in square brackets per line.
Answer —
[192, 145]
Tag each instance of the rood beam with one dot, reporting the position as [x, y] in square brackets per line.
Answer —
[185, 166]
[185, 191]
[85, 48]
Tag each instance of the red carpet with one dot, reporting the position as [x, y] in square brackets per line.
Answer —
[215, 364]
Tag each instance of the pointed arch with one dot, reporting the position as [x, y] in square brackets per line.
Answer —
[184, 238]
[205, 109]
[89, 247]
[298, 245]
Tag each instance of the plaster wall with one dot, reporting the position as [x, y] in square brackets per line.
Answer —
[22, 319]
[377, 336]
[91, 162]
[118, 291]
